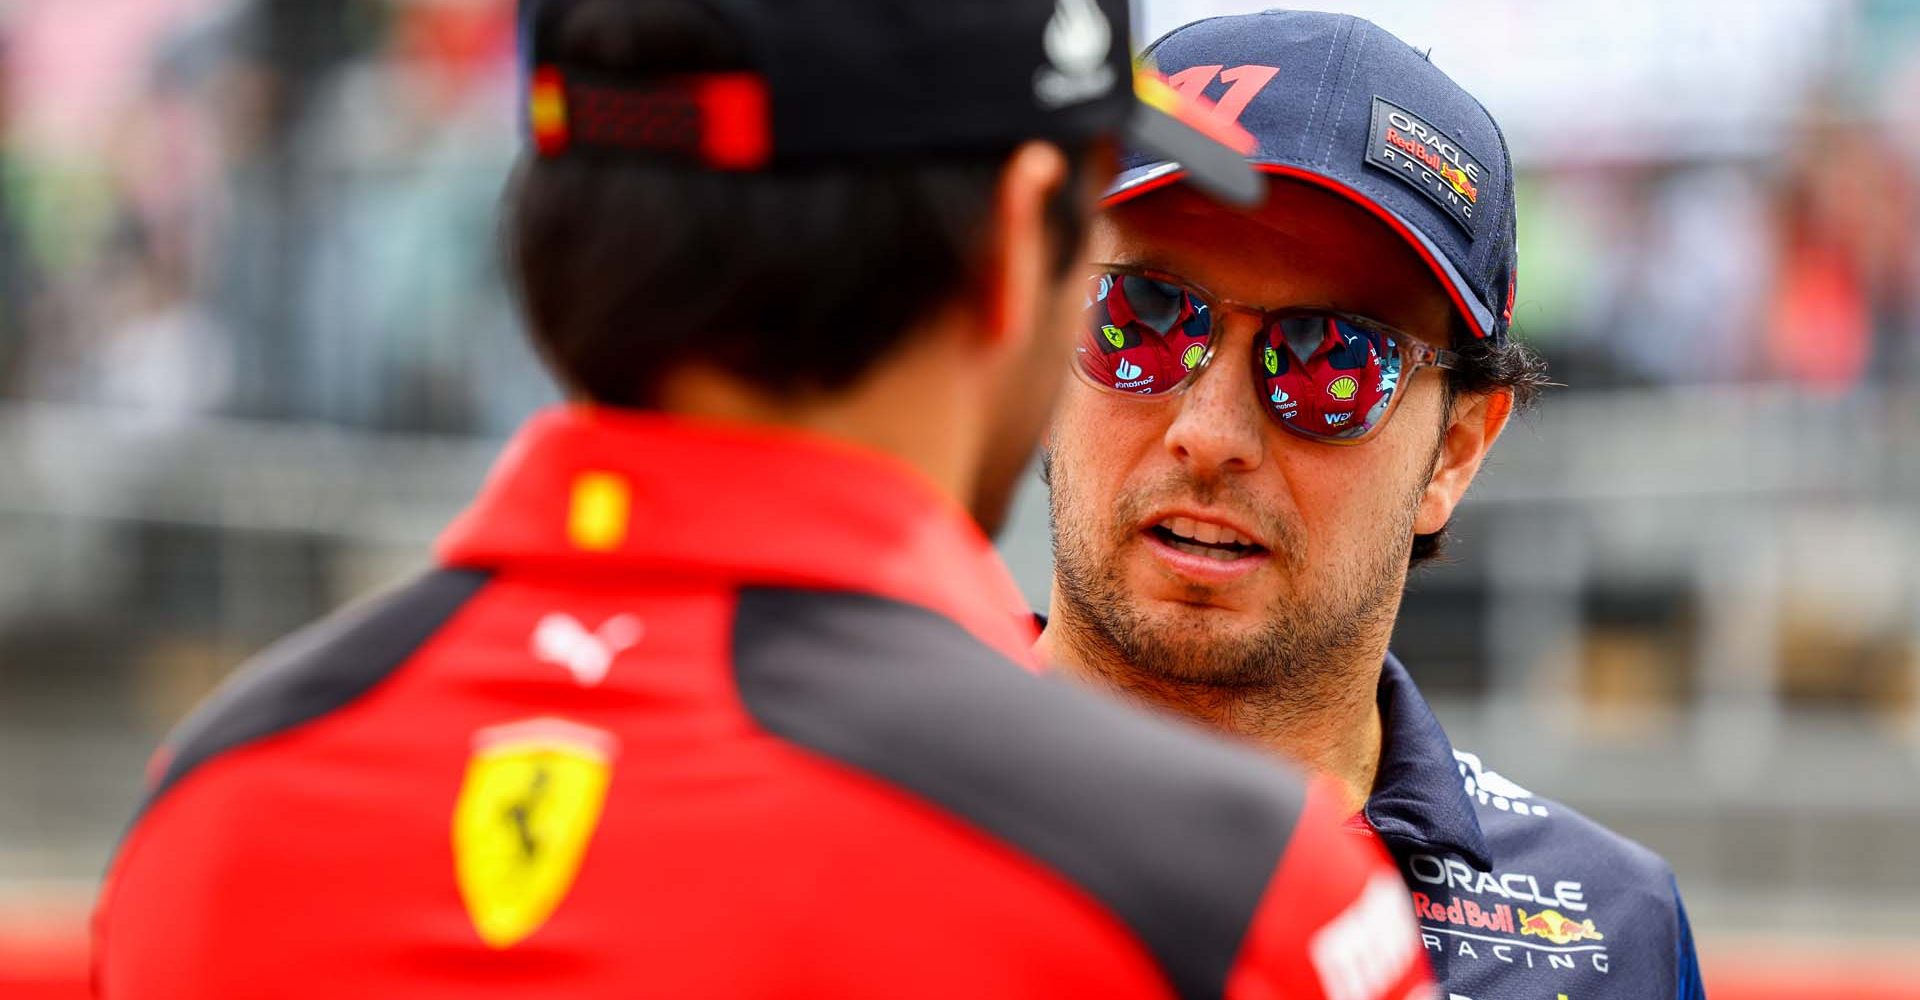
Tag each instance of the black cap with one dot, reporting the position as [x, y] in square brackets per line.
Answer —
[856, 79]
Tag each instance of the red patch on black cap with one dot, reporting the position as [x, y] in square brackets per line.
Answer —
[721, 119]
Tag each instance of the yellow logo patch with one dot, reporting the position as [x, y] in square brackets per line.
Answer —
[527, 810]
[597, 513]
[1195, 353]
[1115, 336]
[1343, 388]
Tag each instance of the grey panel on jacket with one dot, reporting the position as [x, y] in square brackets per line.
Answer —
[1175, 832]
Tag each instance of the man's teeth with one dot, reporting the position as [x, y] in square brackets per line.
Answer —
[1186, 529]
[1222, 555]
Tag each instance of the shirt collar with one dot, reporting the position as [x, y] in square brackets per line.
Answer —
[585, 490]
[1419, 800]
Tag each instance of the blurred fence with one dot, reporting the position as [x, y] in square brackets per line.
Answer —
[1676, 609]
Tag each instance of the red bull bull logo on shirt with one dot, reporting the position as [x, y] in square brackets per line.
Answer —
[1555, 927]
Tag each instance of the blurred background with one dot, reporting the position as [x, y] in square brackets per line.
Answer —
[255, 350]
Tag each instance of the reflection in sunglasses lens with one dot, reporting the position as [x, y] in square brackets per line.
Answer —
[1328, 377]
[1141, 335]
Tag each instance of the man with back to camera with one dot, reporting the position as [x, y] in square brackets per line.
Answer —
[718, 689]
[1254, 453]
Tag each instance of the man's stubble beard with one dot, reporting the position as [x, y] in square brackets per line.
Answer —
[1300, 644]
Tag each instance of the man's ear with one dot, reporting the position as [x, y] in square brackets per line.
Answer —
[1020, 252]
[1476, 422]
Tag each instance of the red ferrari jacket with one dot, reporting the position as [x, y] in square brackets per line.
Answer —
[695, 711]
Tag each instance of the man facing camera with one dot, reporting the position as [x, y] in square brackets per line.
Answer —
[1275, 416]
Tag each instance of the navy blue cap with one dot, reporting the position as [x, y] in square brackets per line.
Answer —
[1337, 102]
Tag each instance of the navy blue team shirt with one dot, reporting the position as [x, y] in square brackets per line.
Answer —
[1519, 897]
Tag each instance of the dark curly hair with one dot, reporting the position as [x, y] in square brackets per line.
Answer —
[1485, 367]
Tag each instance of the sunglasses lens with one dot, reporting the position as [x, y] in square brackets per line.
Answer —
[1327, 377]
[1139, 335]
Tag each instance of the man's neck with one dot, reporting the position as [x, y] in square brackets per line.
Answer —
[910, 406]
[1330, 726]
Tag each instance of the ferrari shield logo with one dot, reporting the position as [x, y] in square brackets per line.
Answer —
[527, 810]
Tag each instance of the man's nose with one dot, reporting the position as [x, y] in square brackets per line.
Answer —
[1220, 427]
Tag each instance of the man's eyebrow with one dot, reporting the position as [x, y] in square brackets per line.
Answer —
[1145, 261]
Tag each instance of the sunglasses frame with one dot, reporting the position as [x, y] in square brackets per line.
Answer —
[1420, 354]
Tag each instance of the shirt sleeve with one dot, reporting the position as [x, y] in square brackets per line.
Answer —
[1688, 985]
[1335, 922]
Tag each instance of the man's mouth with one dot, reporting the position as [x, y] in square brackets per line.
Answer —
[1204, 538]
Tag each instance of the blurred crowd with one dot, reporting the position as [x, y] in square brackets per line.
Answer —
[285, 211]
[276, 210]
[1798, 269]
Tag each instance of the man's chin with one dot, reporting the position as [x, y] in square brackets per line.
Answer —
[1198, 643]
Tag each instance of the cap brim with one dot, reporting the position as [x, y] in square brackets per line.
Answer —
[1210, 151]
[1153, 176]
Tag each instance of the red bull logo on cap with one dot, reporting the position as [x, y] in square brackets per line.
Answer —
[1461, 184]
[1428, 160]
